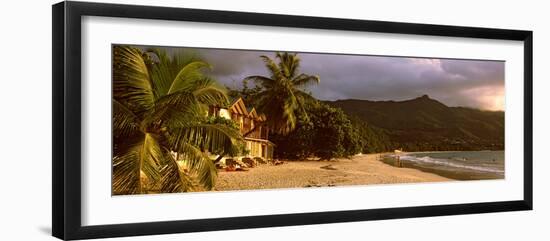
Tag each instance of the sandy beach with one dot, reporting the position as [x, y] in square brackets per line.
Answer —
[360, 170]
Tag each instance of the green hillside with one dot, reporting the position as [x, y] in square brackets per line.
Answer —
[423, 124]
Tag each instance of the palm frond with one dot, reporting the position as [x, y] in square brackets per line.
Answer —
[183, 106]
[273, 68]
[215, 138]
[160, 104]
[170, 105]
[187, 76]
[143, 157]
[265, 82]
[302, 98]
[173, 179]
[280, 98]
[190, 115]
[172, 70]
[199, 164]
[289, 114]
[131, 81]
[304, 79]
[208, 92]
[151, 156]
[126, 173]
[288, 64]
[162, 73]
[295, 66]
[125, 122]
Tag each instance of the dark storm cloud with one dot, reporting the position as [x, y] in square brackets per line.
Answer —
[478, 84]
[231, 66]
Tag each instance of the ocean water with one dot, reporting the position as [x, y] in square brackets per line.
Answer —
[460, 165]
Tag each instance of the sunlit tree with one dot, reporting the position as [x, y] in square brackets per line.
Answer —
[160, 103]
[281, 95]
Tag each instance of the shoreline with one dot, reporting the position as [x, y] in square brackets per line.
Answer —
[436, 151]
[364, 169]
[457, 174]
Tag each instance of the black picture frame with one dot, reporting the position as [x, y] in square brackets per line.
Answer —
[66, 169]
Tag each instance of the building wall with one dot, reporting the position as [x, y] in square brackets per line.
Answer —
[225, 113]
[255, 148]
[259, 149]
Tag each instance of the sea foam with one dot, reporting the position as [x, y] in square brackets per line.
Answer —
[448, 162]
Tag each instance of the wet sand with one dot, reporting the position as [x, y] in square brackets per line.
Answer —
[360, 170]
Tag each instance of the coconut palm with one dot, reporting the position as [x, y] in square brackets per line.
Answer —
[282, 95]
[159, 113]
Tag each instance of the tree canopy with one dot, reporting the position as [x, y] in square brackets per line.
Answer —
[280, 96]
[326, 133]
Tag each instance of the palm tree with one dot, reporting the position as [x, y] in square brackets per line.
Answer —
[281, 97]
[159, 109]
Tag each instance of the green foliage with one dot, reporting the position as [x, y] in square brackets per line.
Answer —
[159, 106]
[326, 133]
[424, 124]
[239, 149]
[298, 144]
[222, 121]
[280, 96]
[247, 93]
[373, 139]
[335, 136]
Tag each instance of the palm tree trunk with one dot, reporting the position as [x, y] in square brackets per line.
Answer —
[219, 158]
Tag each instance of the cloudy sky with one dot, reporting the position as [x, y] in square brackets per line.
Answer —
[470, 83]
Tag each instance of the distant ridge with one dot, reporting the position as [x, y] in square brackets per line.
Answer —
[424, 123]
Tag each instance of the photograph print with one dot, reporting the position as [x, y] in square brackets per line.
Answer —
[201, 119]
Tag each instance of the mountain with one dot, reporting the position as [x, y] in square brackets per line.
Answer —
[423, 124]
